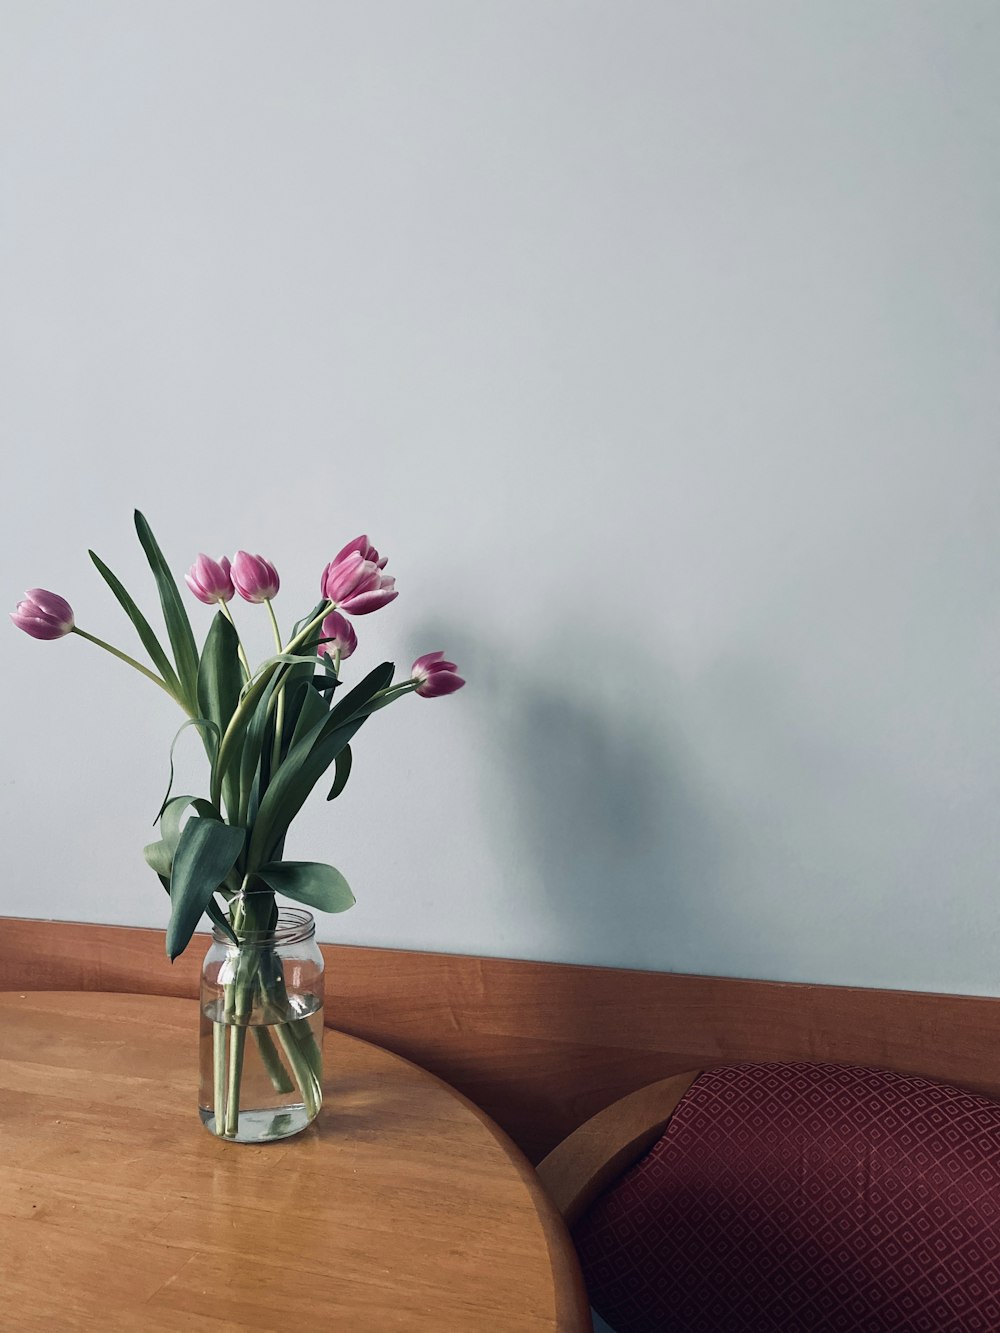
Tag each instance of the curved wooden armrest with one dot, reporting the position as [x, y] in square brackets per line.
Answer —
[593, 1156]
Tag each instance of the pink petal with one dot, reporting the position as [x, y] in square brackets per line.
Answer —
[359, 544]
[350, 576]
[422, 664]
[255, 579]
[51, 603]
[363, 603]
[438, 683]
[43, 615]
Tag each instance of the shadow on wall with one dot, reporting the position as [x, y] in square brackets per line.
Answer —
[611, 837]
[611, 815]
[758, 817]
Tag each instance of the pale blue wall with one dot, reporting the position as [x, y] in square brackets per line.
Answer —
[657, 343]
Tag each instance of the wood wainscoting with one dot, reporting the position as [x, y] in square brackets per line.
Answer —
[543, 1046]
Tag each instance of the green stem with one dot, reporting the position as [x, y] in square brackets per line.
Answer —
[303, 1034]
[294, 1034]
[219, 1072]
[394, 692]
[279, 717]
[258, 968]
[124, 657]
[304, 633]
[271, 1060]
[303, 1071]
[224, 608]
[237, 917]
[274, 625]
[237, 1045]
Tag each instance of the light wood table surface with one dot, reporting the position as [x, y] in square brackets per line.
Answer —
[403, 1207]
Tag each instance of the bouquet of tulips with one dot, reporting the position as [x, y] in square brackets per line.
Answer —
[270, 732]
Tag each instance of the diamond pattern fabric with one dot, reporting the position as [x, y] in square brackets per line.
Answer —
[805, 1198]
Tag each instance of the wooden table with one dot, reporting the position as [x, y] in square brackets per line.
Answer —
[403, 1207]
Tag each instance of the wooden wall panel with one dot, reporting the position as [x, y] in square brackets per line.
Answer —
[542, 1046]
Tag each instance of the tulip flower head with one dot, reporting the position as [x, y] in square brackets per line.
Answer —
[353, 580]
[255, 579]
[210, 580]
[436, 676]
[43, 614]
[365, 549]
[339, 634]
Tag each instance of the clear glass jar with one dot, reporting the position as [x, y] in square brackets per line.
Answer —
[262, 1031]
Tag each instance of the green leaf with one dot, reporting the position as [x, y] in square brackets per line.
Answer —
[216, 913]
[327, 683]
[308, 882]
[219, 918]
[203, 725]
[149, 640]
[173, 811]
[355, 700]
[220, 681]
[301, 658]
[304, 709]
[232, 740]
[206, 852]
[159, 858]
[312, 710]
[290, 787]
[178, 625]
[259, 734]
[306, 763]
[300, 625]
[344, 761]
[160, 855]
[220, 675]
[293, 685]
[255, 762]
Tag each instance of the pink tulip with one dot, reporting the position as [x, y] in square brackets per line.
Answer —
[255, 579]
[43, 615]
[364, 547]
[436, 676]
[366, 600]
[354, 581]
[210, 580]
[340, 636]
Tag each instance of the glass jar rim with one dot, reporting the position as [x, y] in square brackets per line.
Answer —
[293, 925]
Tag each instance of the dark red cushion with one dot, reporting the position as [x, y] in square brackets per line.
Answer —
[806, 1198]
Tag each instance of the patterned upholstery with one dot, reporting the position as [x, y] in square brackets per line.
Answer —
[805, 1198]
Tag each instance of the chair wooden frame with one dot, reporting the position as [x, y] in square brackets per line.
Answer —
[590, 1159]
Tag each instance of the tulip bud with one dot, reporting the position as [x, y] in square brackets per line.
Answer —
[436, 676]
[43, 615]
[354, 580]
[255, 579]
[210, 580]
[340, 636]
